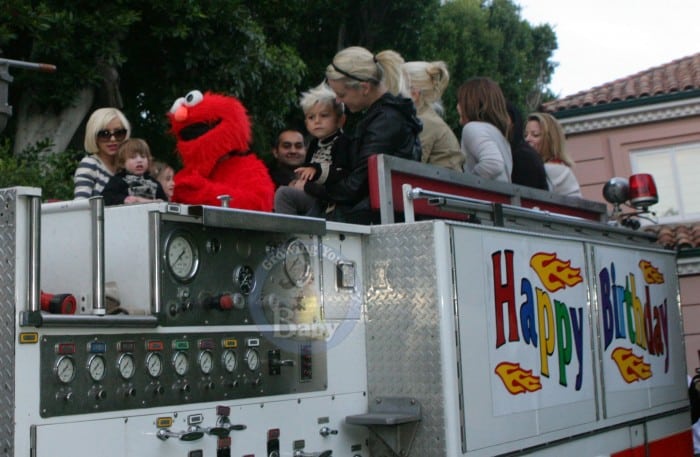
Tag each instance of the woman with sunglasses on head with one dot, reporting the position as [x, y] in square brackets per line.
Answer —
[106, 129]
[367, 84]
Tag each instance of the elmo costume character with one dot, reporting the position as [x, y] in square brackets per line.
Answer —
[213, 132]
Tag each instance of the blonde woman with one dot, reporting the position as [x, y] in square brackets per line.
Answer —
[106, 129]
[428, 81]
[544, 133]
[362, 80]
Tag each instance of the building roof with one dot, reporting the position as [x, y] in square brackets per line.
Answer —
[677, 236]
[674, 77]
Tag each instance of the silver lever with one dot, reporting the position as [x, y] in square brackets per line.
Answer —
[193, 434]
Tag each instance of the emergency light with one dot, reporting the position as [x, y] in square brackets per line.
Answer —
[642, 191]
[639, 192]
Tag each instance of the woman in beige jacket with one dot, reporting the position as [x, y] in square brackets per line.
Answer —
[428, 80]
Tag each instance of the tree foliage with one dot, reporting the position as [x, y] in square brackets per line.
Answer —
[478, 38]
[144, 55]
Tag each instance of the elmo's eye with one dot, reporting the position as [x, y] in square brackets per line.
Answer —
[193, 97]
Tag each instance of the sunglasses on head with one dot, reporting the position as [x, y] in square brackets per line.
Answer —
[106, 135]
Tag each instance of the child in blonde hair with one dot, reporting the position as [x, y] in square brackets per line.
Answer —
[325, 156]
[165, 175]
[133, 183]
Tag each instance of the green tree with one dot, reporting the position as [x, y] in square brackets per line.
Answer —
[480, 38]
[143, 55]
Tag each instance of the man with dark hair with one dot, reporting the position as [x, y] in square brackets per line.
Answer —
[289, 152]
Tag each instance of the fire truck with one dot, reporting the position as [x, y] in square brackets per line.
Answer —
[489, 320]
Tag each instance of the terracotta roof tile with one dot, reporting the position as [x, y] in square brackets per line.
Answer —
[676, 76]
[676, 236]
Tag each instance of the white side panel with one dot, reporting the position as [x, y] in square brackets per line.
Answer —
[641, 329]
[135, 436]
[525, 336]
[66, 250]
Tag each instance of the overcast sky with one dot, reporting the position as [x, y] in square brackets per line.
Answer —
[603, 40]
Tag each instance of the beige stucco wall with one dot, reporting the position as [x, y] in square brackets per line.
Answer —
[602, 154]
[690, 300]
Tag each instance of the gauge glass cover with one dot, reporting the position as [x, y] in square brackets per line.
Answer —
[228, 359]
[65, 369]
[206, 362]
[244, 278]
[180, 363]
[181, 256]
[252, 359]
[297, 262]
[154, 364]
[126, 366]
[96, 368]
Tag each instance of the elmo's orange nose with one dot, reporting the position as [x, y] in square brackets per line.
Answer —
[180, 114]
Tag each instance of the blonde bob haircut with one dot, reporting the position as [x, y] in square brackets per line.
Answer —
[430, 79]
[355, 65]
[553, 140]
[321, 94]
[98, 121]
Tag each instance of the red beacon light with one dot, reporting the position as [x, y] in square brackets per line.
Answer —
[639, 192]
[642, 191]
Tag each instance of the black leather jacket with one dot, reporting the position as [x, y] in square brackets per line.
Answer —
[390, 126]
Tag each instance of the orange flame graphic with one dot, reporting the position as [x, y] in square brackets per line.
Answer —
[632, 367]
[554, 273]
[652, 275]
[517, 380]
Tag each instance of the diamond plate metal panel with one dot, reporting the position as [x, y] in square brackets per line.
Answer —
[8, 200]
[403, 347]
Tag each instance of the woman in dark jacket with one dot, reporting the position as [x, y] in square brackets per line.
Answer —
[389, 125]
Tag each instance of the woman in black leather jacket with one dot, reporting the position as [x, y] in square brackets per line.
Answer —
[389, 125]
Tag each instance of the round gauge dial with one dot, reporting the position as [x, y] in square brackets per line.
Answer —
[252, 359]
[297, 262]
[126, 366]
[205, 361]
[180, 363]
[96, 367]
[154, 364]
[65, 369]
[181, 256]
[244, 278]
[228, 360]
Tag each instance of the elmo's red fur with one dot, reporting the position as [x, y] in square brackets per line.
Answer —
[213, 134]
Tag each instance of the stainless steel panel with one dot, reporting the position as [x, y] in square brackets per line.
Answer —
[403, 347]
[8, 200]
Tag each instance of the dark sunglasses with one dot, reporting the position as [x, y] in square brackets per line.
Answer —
[106, 135]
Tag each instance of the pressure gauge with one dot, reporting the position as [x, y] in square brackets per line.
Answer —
[64, 369]
[154, 364]
[96, 368]
[252, 359]
[244, 278]
[126, 366]
[205, 361]
[228, 360]
[181, 256]
[297, 262]
[180, 363]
